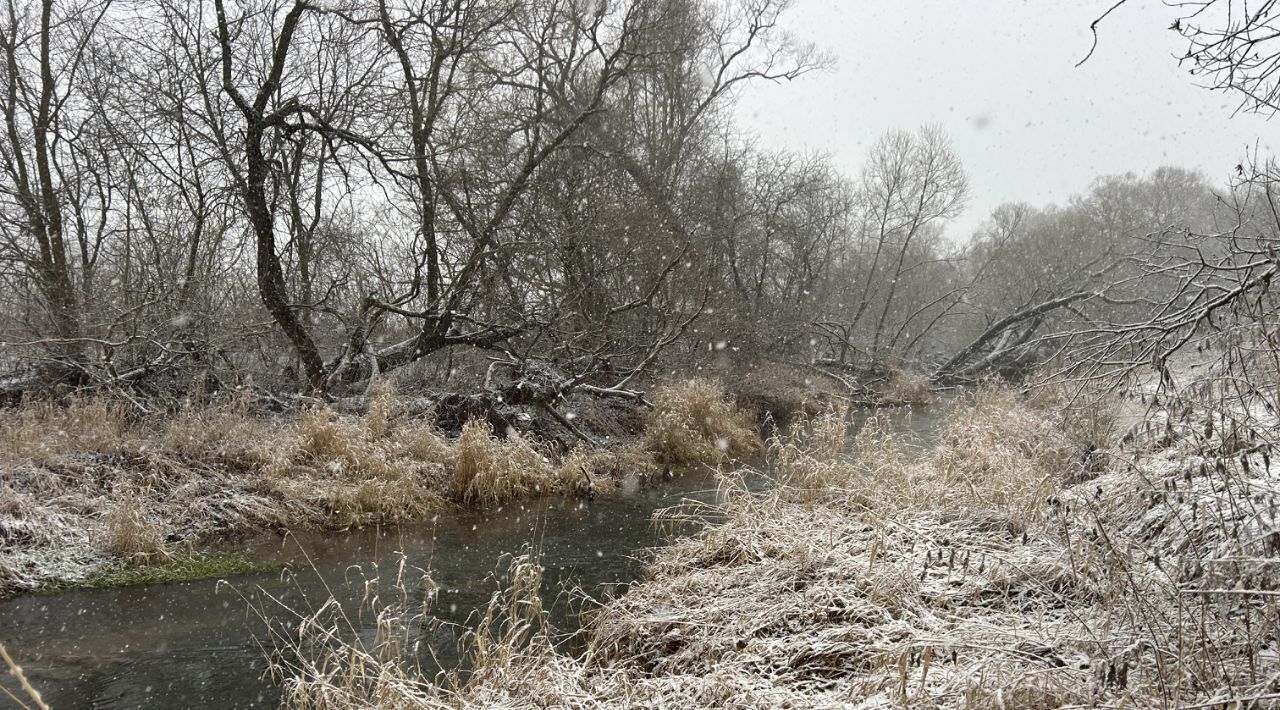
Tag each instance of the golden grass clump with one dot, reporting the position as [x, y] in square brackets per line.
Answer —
[129, 534]
[807, 457]
[361, 471]
[45, 432]
[319, 468]
[424, 442]
[490, 470]
[340, 445]
[336, 501]
[384, 408]
[591, 471]
[227, 435]
[998, 454]
[695, 422]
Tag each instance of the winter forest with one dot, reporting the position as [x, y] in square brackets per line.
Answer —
[475, 354]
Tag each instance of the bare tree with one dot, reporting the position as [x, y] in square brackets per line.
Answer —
[45, 48]
[1040, 275]
[911, 185]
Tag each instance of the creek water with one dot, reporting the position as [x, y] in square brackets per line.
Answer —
[200, 644]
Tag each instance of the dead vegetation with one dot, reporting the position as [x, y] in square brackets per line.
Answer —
[695, 421]
[986, 573]
[780, 390]
[488, 471]
[84, 483]
[129, 535]
[24, 686]
[905, 386]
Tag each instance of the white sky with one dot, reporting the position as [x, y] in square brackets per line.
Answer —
[999, 76]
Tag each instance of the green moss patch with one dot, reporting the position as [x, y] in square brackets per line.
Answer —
[183, 568]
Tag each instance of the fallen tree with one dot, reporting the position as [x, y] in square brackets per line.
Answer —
[1003, 343]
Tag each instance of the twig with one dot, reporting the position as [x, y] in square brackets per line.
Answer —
[16, 670]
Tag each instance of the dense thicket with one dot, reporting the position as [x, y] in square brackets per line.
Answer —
[311, 193]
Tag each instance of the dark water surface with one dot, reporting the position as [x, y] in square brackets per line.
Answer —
[199, 644]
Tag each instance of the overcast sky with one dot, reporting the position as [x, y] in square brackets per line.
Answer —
[999, 76]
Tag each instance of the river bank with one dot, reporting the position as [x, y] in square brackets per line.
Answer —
[1038, 556]
[201, 643]
[89, 493]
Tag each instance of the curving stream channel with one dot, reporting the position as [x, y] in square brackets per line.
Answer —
[200, 644]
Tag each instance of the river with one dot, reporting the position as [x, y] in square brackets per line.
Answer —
[201, 644]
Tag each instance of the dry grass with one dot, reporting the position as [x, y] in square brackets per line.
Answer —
[326, 664]
[696, 422]
[981, 574]
[999, 454]
[129, 535]
[85, 484]
[1086, 418]
[489, 470]
[325, 661]
[24, 686]
[320, 468]
[885, 580]
[904, 386]
[42, 432]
